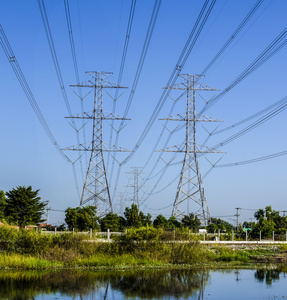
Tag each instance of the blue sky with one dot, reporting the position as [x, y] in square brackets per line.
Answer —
[99, 28]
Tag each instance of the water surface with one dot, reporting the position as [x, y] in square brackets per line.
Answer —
[263, 283]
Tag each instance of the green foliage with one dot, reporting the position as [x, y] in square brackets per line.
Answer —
[2, 205]
[191, 221]
[268, 220]
[23, 206]
[142, 234]
[61, 227]
[212, 228]
[227, 254]
[82, 218]
[160, 222]
[17, 261]
[140, 247]
[113, 222]
[219, 224]
[173, 223]
[136, 218]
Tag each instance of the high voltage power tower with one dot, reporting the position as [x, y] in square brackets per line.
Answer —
[136, 172]
[96, 187]
[190, 186]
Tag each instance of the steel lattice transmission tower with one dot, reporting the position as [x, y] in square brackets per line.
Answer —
[96, 187]
[136, 171]
[190, 186]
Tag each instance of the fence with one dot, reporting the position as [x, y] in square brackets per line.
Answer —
[90, 233]
[173, 235]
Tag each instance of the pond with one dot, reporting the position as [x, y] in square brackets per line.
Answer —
[262, 283]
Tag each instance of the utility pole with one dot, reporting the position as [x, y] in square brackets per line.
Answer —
[190, 186]
[96, 187]
[48, 212]
[237, 215]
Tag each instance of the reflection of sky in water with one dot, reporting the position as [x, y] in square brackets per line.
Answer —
[226, 284]
[242, 284]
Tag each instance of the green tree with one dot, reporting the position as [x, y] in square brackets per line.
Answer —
[173, 223]
[221, 224]
[82, 218]
[136, 218]
[268, 221]
[2, 205]
[191, 221]
[113, 222]
[23, 206]
[211, 228]
[160, 222]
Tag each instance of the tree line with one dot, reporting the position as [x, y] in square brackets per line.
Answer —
[84, 218]
[22, 206]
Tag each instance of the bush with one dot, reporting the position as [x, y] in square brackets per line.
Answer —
[141, 234]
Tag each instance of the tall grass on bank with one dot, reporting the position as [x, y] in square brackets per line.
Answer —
[139, 247]
[19, 261]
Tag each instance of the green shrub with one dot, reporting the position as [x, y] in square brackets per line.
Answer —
[141, 234]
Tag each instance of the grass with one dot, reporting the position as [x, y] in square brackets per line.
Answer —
[18, 261]
[31, 250]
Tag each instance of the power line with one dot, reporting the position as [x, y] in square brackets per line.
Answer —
[177, 69]
[180, 64]
[60, 79]
[74, 56]
[277, 44]
[123, 60]
[148, 37]
[254, 160]
[221, 51]
[23, 82]
[276, 104]
[255, 124]
[233, 36]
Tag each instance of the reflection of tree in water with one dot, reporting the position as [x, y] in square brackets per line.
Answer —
[156, 284]
[267, 275]
[27, 285]
[143, 284]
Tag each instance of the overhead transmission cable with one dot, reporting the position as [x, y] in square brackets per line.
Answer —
[75, 63]
[23, 82]
[242, 24]
[228, 42]
[231, 39]
[272, 106]
[278, 107]
[176, 71]
[148, 37]
[60, 78]
[233, 36]
[255, 124]
[180, 64]
[254, 160]
[277, 44]
[123, 60]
